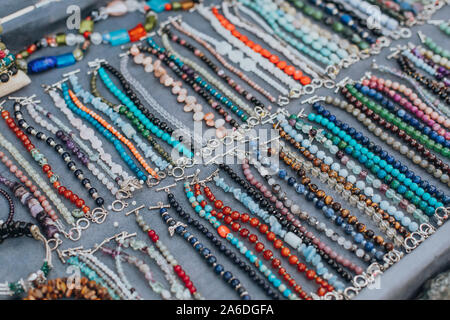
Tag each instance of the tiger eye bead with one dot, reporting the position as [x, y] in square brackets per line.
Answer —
[328, 200]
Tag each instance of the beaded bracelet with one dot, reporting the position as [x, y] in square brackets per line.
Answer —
[103, 127]
[411, 102]
[132, 102]
[431, 101]
[17, 229]
[367, 198]
[156, 286]
[228, 66]
[39, 157]
[393, 128]
[86, 134]
[223, 248]
[191, 104]
[403, 173]
[58, 288]
[291, 71]
[388, 112]
[424, 163]
[37, 178]
[170, 259]
[248, 64]
[284, 205]
[205, 253]
[436, 88]
[225, 233]
[331, 209]
[167, 57]
[269, 37]
[126, 128]
[230, 217]
[226, 46]
[76, 145]
[292, 231]
[279, 20]
[337, 25]
[215, 68]
[36, 209]
[78, 173]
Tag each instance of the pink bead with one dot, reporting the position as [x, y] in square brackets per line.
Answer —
[33, 188]
[358, 270]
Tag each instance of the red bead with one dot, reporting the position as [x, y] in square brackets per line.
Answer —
[310, 274]
[177, 268]
[259, 247]
[263, 228]
[274, 59]
[301, 267]
[254, 222]
[203, 203]
[235, 226]
[235, 215]
[321, 291]
[281, 271]
[228, 220]
[285, 252]
[137, 33]
[270, 235]
[218, 204]
[289, 70]
[293, 259]
[67, 194]
[46, 168]
[244, 232]
[253, 238]
[245, 217]
[268, 254]
[86, 209]
[281, 65]
[73, 198]
[265, 53]
[5, 114]
[79, 203]
[278, 244]
[226, 210]
[61, 190]
[292, 282]
[168, 6]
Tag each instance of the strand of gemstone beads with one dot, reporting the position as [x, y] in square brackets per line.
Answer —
[191, 103]
[247, 64]
[195, 199]
[126, 128]
[206, 75]
[363, 196]
[39, 157]
[120, 109]
[389, 112]
[324, 51]
[109, 132]
[86, 133]
[228, 66]
[433, 46]
[409, 100]
[440, 72]
[437, 88]
[231, 218]
[385, 21]
[215, 68]
[291, 230]
[110, 277]
[168, 58]
[331, 209]
[118, 262]
[400, 179]
[218, 243]
[35, 208]
[176, 270]
[78, 173]
[37, 179]
[403, 149]
[231, 41]
[433, 166]
[423, 64]
[230, 28]
[144, 268]
[92, 275]
[130, 100]
[64, 134]
[430, 100]
[206, 254]
[437, 58]
[291, 80]
[297, 58]
[283, 203]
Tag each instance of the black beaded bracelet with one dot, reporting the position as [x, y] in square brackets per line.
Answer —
[226, 251]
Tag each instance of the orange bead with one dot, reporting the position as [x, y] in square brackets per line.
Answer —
[250, 44]
[285, 252]
[257, 48]
[289, 70]
[281, 65]
[223, 231]
[293, 259]
[236, 33]
[297, 75]
[265, 53]
[305, 80]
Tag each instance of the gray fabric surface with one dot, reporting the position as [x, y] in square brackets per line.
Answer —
[19, 257]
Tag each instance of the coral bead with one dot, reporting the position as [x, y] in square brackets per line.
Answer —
[223, 231]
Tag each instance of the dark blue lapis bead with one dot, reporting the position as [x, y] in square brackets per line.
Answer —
[368, 246]
[339, 221]
[193, 240]
[218, 268]
[291, 181]
[179, 229]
